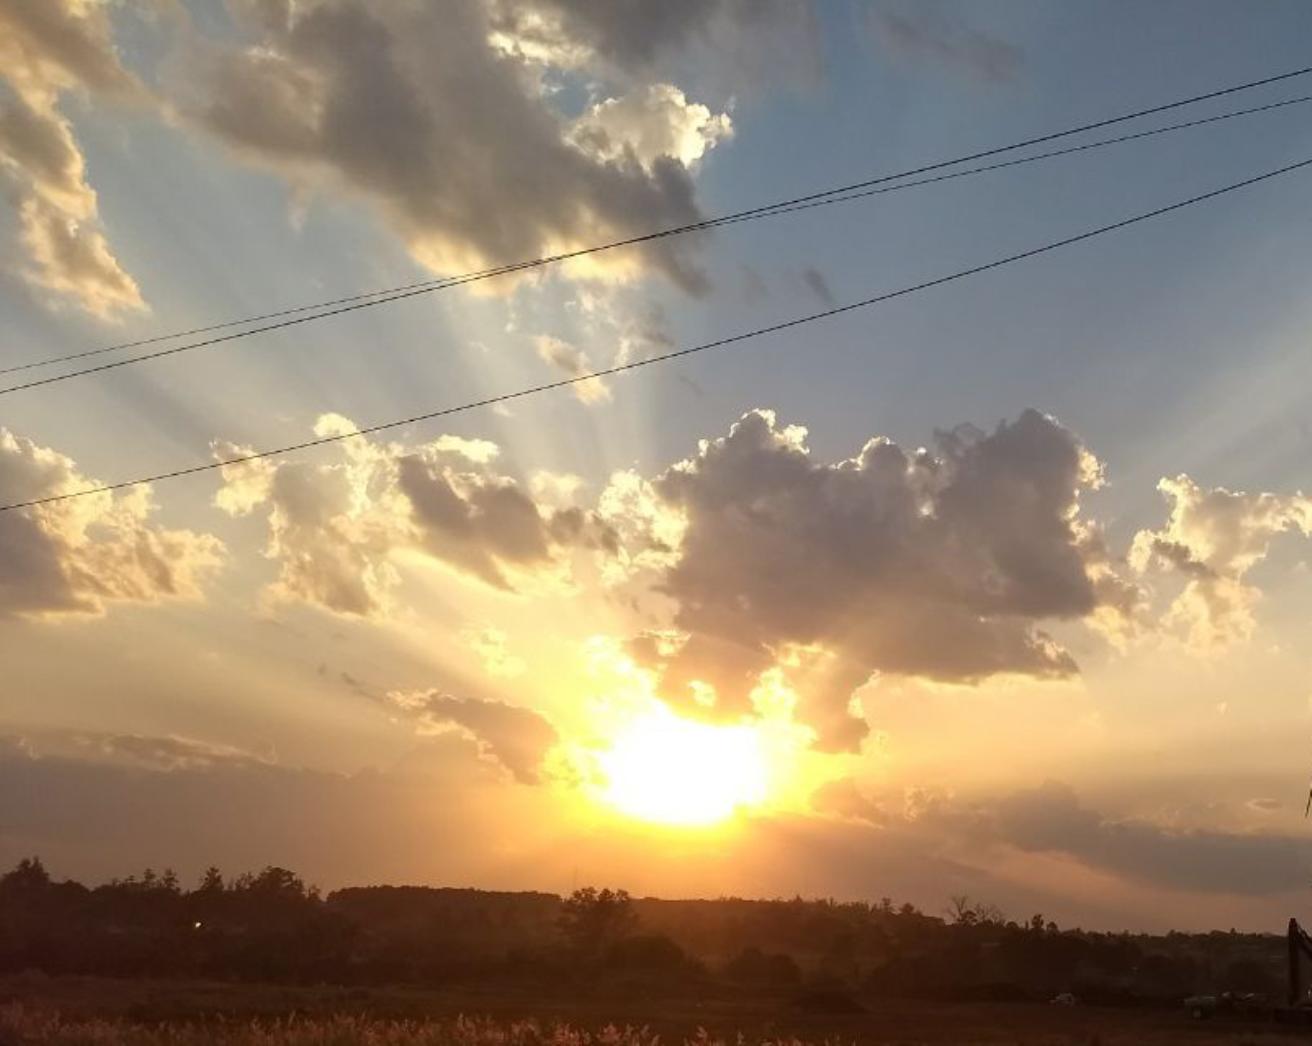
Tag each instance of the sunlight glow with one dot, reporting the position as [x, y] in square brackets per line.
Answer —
[663, 768]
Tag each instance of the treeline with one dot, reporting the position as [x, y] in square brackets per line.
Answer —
[272, 927]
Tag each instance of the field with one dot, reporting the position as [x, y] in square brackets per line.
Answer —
[66, 1011]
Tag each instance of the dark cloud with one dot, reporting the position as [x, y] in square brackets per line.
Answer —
[516, 738]
[818, 285]
[927, 33]
[1051, 819]
[934, 565]
[413, 108]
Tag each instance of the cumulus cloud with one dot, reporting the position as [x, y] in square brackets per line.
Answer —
[926, 33]
[1212, 538]
[516, 738]
[416, 110]
[939, 565]
[48, 48]
[653, 122]
[75, 556]
[334, 529]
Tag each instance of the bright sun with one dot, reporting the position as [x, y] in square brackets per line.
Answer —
[660, 767]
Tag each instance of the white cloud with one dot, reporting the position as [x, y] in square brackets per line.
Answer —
[47, 49]
[1212, 538]
[75, 556]
[940, 565]
[650, 123]
[573, 362]
[334, 529]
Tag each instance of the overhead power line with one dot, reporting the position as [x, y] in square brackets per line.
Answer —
[718, 343]
[855, 190]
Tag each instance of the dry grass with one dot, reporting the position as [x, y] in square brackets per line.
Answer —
[23, 1026]
[64, 1011]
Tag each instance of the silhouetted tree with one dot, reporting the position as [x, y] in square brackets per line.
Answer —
[592, 919]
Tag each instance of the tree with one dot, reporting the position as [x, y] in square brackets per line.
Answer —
[211, 882]
[965, 912]
[28, 876]
[961, 910]
[592, 919]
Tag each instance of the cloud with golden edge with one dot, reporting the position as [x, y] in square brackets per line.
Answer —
[79, 555]
[1212, 539]
[518, 739]
[47, 49]
[938, 565]
[335, 529]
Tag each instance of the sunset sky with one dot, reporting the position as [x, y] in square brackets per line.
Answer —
[1002, 588]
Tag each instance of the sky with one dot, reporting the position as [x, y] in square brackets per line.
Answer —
[999, 588]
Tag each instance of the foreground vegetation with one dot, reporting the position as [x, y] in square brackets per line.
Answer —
[1035, 1026]
[271, 928]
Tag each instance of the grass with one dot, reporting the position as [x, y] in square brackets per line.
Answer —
[100, 1012]
[20, 1026]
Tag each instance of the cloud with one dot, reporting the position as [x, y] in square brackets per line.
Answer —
[1050, 819]
[818, 285]
[47, 48]
[452, 139]
[92, 815]
[638, 328]
[1212, 538]
[491, 647]
[630, 38]
[843, 798]
[334, 529]
[654, 122]
[928, 34]
[516, 738]
[75, 556]
[140, 751]
[940, 565]
[573, 362]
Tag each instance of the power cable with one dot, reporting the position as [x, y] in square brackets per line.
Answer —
[350, 303]
[719, 343]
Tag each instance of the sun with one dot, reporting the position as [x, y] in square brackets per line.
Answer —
[660, 767]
